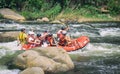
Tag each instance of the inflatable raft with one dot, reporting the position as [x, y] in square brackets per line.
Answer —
[77, 44]
[74, 45]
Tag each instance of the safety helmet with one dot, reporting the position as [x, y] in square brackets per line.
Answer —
[38, 35]
[50, 34]
[64, 32]
[62, 28]
[31, 33]
[22, 29]
[45, 31]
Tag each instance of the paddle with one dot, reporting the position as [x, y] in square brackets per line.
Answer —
[56, 43]
[68, 28]
[18, 43]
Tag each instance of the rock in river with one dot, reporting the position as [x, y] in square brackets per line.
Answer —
[50, 59]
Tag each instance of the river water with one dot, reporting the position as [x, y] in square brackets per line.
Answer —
[100, 56]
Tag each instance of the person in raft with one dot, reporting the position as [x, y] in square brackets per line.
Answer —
[22, 37]
[31, 39]
[64, 39]
[60, 31]
[50, 40]
[44, 41]
[38, 40]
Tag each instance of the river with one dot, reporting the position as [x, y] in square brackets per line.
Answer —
[100, 56]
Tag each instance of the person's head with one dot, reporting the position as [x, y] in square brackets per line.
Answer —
[64, 32]
[23, 30]
[45, 31]
[38, 35]
[31, 33]
[50, 35]
[63, 28]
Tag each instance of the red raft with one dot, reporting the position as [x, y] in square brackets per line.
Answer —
[77, 44]
[74, 45]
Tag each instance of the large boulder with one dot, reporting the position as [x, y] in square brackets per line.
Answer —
[50, 59]
[10, 14]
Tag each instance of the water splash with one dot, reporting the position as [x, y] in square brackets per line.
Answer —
[10, 45]
[110, 32]
[98, 49]
[6, 71]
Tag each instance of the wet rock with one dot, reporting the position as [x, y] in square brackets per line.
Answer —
[10, 14]
[56, 21]
[50, 59]
[39, 20]
[8, 36]
[45, 19]
[33, 70]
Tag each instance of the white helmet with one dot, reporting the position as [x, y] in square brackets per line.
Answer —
[64, 32]
[30, 32]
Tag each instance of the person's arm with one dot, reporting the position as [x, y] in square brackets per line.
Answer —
[68, 38]
[37, 42]
[30, 40]
[67, 28]
[18, 40]
[52, 42]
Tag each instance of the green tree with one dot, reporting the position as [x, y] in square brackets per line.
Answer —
[114, 6]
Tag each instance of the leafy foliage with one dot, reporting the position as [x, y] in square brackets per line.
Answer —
[114, 6]
[33, 9]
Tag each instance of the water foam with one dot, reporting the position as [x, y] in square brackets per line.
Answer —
[10, 45]
[2, 52]
[5, 71]
[109, 32]
[98, 49]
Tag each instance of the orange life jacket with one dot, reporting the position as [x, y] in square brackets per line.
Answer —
[59, 33]
[38, 42]
[50, 40]
[31, 45]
